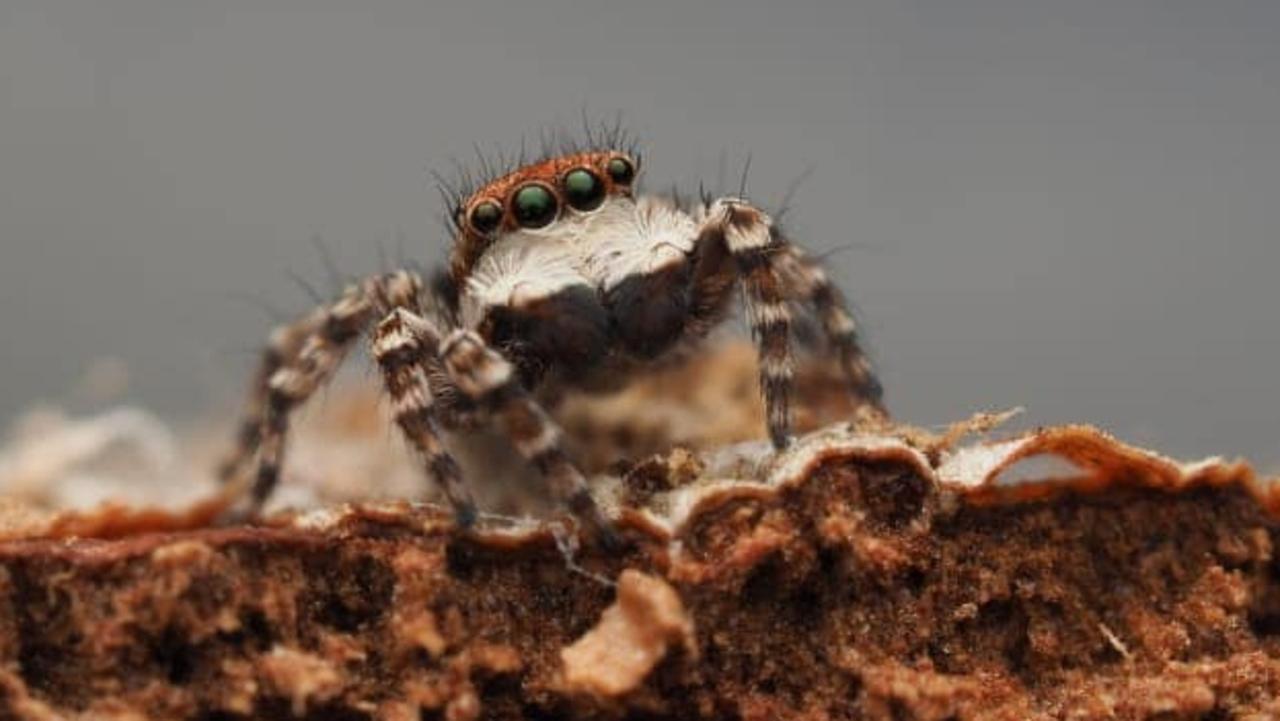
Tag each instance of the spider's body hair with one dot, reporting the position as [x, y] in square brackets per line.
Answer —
[561, 274]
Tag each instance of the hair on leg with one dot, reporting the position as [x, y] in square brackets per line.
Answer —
[401, 343]
[809, 283]
[746, 232]
[282, 348]
[298, 379]
[485, 376]
[303, 356]
[774, 273]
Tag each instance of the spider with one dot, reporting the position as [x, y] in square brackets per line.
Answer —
[562, 275]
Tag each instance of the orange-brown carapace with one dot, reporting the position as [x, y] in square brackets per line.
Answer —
[493, 207]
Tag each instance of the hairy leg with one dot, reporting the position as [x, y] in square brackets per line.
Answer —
[282, 348]
[808, 282]
[748, 235]
[402, 343]
[303, 356]
[491, 381]
[297, 378]
[737, 241]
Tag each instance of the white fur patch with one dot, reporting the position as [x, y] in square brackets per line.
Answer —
[766, 314]
[476, 369]
[841, 323]
[349, 306]
[546, 439]
[599, 249]
[753, 236]
[637, 238]
[291, 384]
[493, 374]
[396, 339]
[739, 239]
[517, 269]
[416, 398]
[776, 367]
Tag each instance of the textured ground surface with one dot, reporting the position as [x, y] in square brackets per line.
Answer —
[883, 574]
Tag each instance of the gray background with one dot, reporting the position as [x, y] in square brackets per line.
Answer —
[1070, 206]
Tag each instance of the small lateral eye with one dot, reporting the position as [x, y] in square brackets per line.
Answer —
[486, 217]
[583, 190]
[621, 171]
[534, 206]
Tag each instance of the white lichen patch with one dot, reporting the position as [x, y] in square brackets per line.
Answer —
[1041, 461]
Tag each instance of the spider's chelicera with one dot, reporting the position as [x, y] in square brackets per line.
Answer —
[561, 272]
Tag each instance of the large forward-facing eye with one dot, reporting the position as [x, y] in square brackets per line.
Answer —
[621, 171]
[486, 217]
[534, 206]
[583, 190]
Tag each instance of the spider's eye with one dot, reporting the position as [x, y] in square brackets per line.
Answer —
[583, 190]
[486, 217]
[534, 206]
[621, 171]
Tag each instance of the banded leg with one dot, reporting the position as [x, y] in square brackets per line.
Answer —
[483, 375]
[401, 344]
[754, 246]
[318, 359]
[809, 282]
[282, 349]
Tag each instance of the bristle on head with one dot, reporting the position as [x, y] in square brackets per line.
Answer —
[465, 179]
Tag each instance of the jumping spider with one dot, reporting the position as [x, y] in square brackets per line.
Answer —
[561, 275]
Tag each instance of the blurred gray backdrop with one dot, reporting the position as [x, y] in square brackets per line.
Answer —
[1071, 206]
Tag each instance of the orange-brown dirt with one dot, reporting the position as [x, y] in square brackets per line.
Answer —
[870, 573]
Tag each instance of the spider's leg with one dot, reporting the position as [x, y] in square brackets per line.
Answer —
[402, 343]
[747, 233]
[483, 375]
[298, 378]
[282, 349]
[809, 282]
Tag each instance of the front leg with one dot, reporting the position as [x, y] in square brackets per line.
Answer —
[747, 234]
[403, 344]
[736, 239]
[491, 382]
[807, 281]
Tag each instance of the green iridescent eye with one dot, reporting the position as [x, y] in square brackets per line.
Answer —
[621, 171]
[583, 190]
[486, 217]
[534, 206]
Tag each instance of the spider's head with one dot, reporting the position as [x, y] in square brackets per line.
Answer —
[557, 197]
